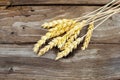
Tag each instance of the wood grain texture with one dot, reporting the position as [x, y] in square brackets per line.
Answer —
[38, 2]
[22, 24]
[98, 62]
[20, 27]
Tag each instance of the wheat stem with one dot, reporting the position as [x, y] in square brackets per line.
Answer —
[105, 18]
[99, 9]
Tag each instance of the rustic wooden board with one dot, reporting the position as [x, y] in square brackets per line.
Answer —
[25, 50]
[20, 27]
[98, 62]
[22, 24]
[37, 2]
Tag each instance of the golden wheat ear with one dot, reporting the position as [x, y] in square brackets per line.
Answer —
[69, 48]
[71, 35]
[88, 36]
[66, 36]
[62, 27]
[51, 24]
[42, 41]
[50, 45]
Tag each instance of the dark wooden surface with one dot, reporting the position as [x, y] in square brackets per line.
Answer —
[98, 62]
[20, 29]
[22, 24]
[38, 2]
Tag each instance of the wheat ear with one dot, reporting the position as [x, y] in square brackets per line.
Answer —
[66, 36]
[42, 41]
[61, 28]
[69, 48]
[53, 23]
[50, 45]
[88, 36]
[74, 31]
[70, 40]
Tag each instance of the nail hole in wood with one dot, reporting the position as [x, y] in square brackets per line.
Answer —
[32, 10]
[10, 70]
[23, 27]
[26, 15]
[12, 33]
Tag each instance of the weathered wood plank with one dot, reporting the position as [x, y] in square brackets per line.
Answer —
[98, 62]
[94, 50]
[36, 2]
[22, 24]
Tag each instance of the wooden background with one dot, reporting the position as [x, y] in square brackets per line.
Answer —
[20, 22]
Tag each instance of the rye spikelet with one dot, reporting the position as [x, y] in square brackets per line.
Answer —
[69, 48]
[50, 45]
[88, 36]
[74, 32]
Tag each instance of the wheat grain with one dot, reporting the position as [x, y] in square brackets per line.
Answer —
[88, 36]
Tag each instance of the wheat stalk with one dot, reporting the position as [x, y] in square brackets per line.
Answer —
[101, 9]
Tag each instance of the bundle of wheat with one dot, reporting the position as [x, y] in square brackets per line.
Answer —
[64, 32]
